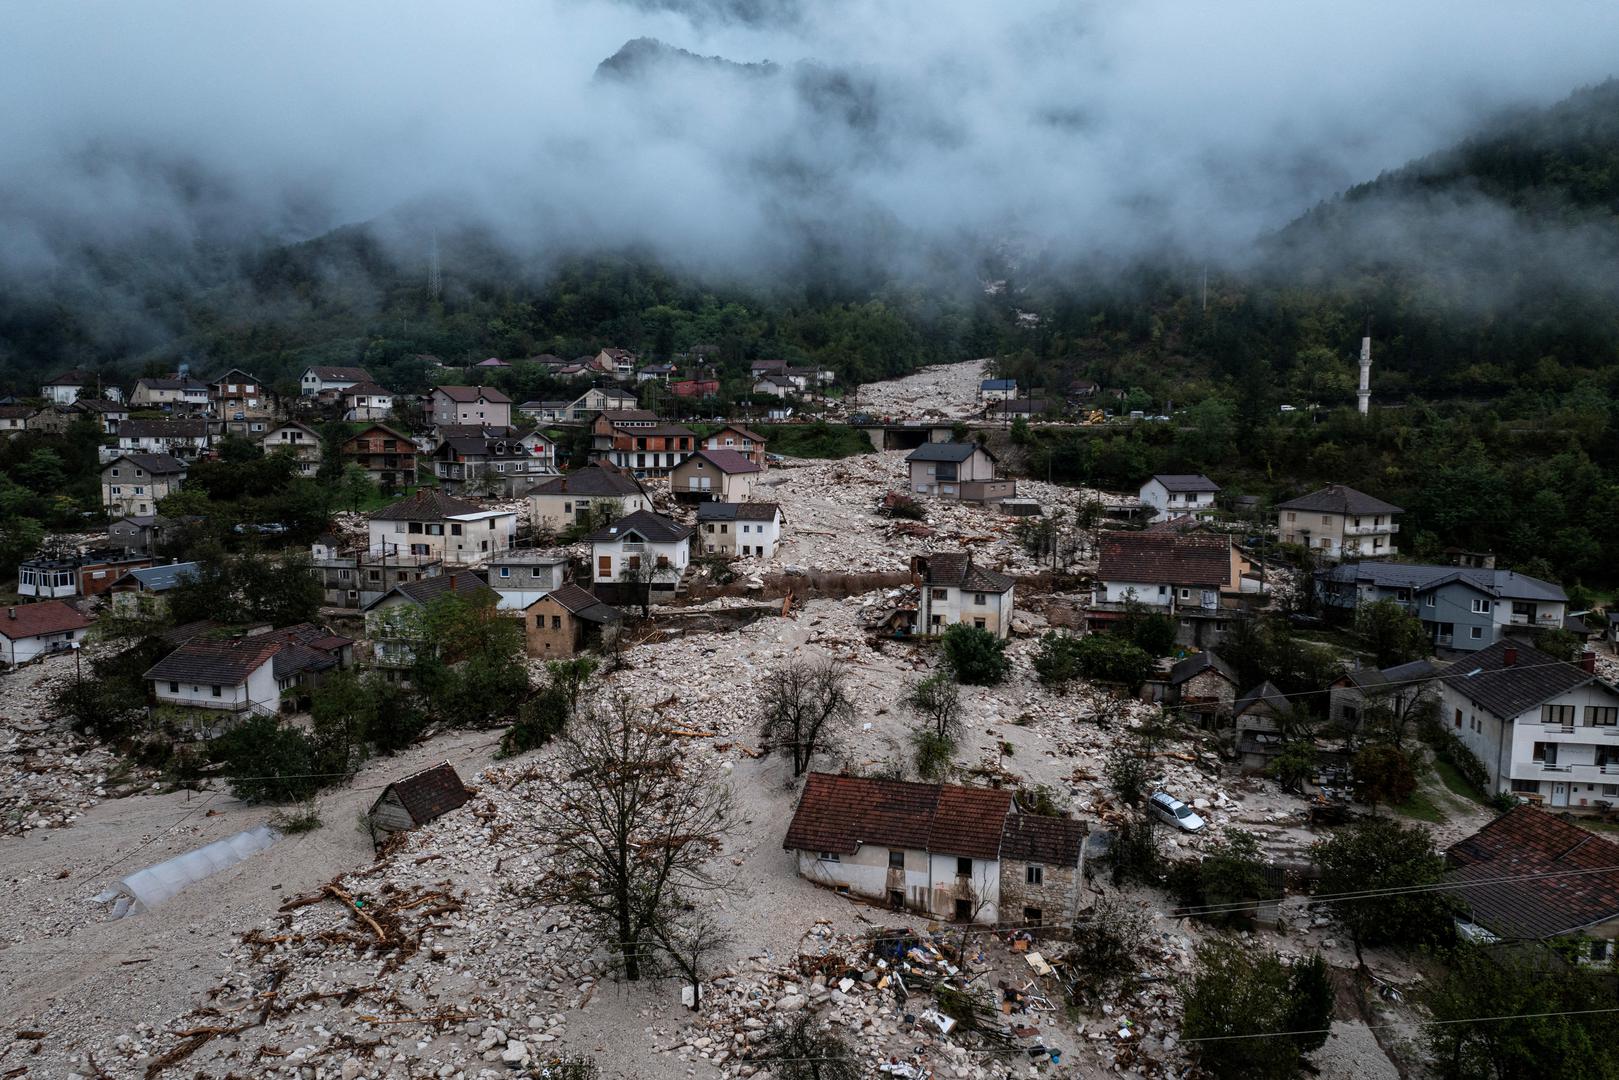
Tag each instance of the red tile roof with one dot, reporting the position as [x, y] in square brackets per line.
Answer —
[46, 617]
[1564, 876]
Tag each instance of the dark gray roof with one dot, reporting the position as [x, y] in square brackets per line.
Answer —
[1510, 689]
[156, 464]
[1265, 693]
[584, 604]
[426, 504]
[946, 451]
[956, 568]
[428, 794]
[161, 578]
[1421, 577]
[592, 480]
[1529, 874]
[1340, 499]
[341, 374]
[724, 511]
[163, 429]
[652, 526]
[227, 663]
[461, 582]
[1186, 482]
[998, 384]
[1198, 663]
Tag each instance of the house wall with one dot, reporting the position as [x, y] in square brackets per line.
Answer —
[447, 411]
[1166, 503]
[125, 495]
[926, 478]
[259, 694]
[1211, 687]
[1507, 747]
[1056, 897]
[696, 475]
[936, 613]
[25, 649]
[459, 542]
[550, 631]
[559, 512]
[1337, 535]
[1157, 595]
[676, 553]
[929, 882]
[390, 815]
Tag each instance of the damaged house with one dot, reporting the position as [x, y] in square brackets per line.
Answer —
[959, 853]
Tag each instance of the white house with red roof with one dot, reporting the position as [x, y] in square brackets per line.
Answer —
[30, 630]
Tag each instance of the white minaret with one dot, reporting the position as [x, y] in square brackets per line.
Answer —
[1363, 396]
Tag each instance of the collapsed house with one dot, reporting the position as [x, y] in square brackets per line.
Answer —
[416, 800]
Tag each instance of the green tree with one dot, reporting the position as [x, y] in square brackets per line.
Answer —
[266, 761]
[1112, 659]
[937, 702]
[1232, 873]
[1381, 855]
[976, 657]
[1056, 658]
[471, 671]
[1393, 634]
[343, 711]
[1238, 990]
[1382, 775]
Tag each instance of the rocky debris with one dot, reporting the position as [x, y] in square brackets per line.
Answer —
[947, 390]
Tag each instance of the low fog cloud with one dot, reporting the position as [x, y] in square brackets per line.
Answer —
[884, 127]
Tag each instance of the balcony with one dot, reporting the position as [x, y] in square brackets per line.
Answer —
[1386, 529]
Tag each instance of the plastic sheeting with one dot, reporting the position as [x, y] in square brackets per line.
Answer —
[148, 888]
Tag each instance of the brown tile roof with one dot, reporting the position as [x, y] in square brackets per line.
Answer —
[592, 480]
[1166, 558]
[225, 662]
[839, 813]
[46, 617]
[629, 416]
[1565, 881]
[429, 793]
[1509, 689]
[957, 569]
[746, 433]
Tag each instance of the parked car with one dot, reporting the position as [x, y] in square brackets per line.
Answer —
[1175, 812]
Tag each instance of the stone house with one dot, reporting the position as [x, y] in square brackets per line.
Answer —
[953, 589]
[1203, 685]
[750, 530]
[725, 475]
[133, 484]
[1546, 731]
[242, 403]
[1339, 522]
[566, 621]
[1259, 717]
[952, 470]
[1399, 689]
[958, 853]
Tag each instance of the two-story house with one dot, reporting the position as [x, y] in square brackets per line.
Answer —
[1167, 570]
[1174, 495]
[775, 386]
[583, 495]
[1339, 522]
[183, 438]
[566, 621]
[242, 403]
[1398, 692]
[639, 548]
[367, 401]
[965, 854]
[599, 399]
[750, 444]
[172, 394]
[318, 380]
[353, 578]
[997, 390]
[393, 621]
[1546, 730]
[706, 475]
[469, 405]
[952, 470]
[64, 388]
[751, 530]
[1260, 716]
[298, 441]
[484, 466]
[523, 575]
[438, 526]
[644, 449]
[387, 454]
[135, 483]
[1462, 607]
[952, 589]
[107, 415]
[619, 363]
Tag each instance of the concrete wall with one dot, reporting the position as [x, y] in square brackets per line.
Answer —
[25, 649]
[935, 614]
[559, 512]
[1507, 747]
[928, 882]
[258, 695]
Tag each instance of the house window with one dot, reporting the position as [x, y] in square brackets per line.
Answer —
[896, 860]
[539, 622]
[505, 571]
[941, 594]
[1481, 606]
[1557, 715]
[1526, 787]
[174, 688]
[829, 856]
[964, 867]
[980, 624]
[1601, 715]
[980, 599]
[1431, 600]
[1292, 516]
[219, 691]
[1186, 594]
[374, 575]
[1546, 753]
[1476, 633]
[556, 622]
[1031, 916]
[1034, 875]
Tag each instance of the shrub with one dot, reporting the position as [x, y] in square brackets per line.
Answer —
[1111, 659]
[541, 719]
[1106, 940]
[266, 762]
[1127, 771]
[1240, 990]
[1384, 855]
[305, 817]
[1056, 659]
[933, 751]
[1153, 634]
[1135, 855]
[976, 657]
[1382, 774]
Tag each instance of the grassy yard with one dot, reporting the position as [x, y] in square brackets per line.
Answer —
[1421, 807]
[1454, 783]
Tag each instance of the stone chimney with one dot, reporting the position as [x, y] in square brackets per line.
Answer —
[1510, 656]
[1588, 662]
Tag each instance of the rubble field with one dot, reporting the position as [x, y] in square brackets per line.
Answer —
[945, 390]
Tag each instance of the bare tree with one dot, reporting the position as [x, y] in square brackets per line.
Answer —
[689, 940]
[804, 1049]
[638, 574]
[632, 829]
[799, 701]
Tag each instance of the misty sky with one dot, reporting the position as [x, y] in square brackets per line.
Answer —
[1114, 126]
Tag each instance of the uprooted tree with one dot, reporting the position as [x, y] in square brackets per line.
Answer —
[800, 702]
[633, 828]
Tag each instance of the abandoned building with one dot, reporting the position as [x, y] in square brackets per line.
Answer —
[416, 800]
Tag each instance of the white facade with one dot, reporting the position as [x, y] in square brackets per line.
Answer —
[259, 694]
[521, 583]
[312, 383]
[61, 393]
[460, 540]
[931, 883]
[23, 649]
[1149, 594]
[1566, 750]
[300, 442]
[942, 606]
[609, 559]
[558, 512]
[1169, 504]
[186, 446]
[369, 407]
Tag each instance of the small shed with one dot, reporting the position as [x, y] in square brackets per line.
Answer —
[416, 800]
